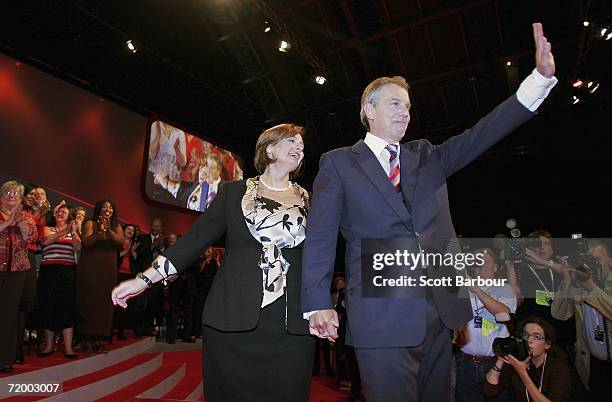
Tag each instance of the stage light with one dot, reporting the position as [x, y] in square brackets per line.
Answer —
[131, 46]
[593, 86]
[511, 223]
[284, 46]
[578, 83]
[508, 63]
[603, 32]
[575, 99]
[585, 23]
[268, 28]
[609, 36]
[515, 233]
[319, 79]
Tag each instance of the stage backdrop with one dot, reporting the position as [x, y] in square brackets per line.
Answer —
[57, 135]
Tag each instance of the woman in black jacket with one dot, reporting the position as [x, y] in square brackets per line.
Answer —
[256, 343]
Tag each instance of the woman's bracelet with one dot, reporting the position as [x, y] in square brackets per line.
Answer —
[494, 367]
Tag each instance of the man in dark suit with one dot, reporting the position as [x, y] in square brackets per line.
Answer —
[378, 189]
[150, 245]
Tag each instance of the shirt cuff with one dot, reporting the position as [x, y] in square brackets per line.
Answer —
[164, 267]
[534, 89]
[310, 313]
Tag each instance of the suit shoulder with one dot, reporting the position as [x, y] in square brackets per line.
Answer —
[337, 153]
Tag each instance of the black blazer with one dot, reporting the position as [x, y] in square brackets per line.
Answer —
[234, 299]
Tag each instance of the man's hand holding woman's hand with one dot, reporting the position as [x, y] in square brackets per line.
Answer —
[324, 324]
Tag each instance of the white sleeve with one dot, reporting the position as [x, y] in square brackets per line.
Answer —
[534, 89]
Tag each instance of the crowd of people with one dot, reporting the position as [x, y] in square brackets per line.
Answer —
[59, 268]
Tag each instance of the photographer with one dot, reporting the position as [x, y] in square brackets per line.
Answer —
[491, 307]
[585, 294]
[538, 276]
[542, 376]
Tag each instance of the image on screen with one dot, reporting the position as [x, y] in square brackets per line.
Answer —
[184, 170]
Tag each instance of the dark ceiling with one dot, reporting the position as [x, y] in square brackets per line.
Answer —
[209, 66]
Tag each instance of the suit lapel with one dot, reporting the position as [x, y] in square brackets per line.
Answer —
[376, 174]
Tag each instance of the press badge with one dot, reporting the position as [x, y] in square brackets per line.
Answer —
[544, 298]
[477, 322]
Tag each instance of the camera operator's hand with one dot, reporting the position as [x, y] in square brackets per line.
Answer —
[520, 366]
[534, 258]
[584, 277]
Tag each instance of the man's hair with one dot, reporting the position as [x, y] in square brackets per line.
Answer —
[593, 243]
[372, 93]
[540, 233]
[217, 160]
[272, 136]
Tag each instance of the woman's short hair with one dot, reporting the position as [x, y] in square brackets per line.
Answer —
[272, 136]
[372, 93]
[549, 331]
[12, 184]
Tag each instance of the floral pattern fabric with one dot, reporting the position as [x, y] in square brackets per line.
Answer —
[276, 226]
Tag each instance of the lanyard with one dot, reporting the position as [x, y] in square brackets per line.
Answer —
[552, 279]
[541, 379]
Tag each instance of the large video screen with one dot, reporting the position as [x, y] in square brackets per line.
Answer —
[184, 170]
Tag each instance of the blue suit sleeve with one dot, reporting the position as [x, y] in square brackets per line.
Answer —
[462, 149]
[319, 253]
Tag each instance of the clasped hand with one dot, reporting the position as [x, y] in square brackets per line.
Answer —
[324, 324]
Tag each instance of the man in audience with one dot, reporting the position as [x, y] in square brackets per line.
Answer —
[586, 295]
[151, 304]
[491, 307]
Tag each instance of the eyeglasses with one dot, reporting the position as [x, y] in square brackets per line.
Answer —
[536, 337]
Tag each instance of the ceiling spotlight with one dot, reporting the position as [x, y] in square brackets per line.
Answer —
[268, 27]
[319, 79]
[284, 46]
[131, 46]
[609, 36]
[578, 83]
[508, 63]
[511, 223]
[603, 32]
[593, 86]
[585, 23]
[575, 99]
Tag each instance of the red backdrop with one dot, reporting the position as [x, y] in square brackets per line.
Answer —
[55, 134]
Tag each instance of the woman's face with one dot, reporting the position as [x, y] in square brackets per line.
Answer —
[128, 232]
[11, 198]
[106, 210]
[536, 346]
[288, 152]
[62, 214]
[80, 216]
[172, 238]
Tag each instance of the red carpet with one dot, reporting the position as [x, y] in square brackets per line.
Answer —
[167, 376]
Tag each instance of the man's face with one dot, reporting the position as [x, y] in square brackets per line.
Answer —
[389, 118]
[486, 270]
[546, 251]
[156, 226]
[215, 170]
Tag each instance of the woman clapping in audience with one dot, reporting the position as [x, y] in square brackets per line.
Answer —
[102, 240]
[57, 281]
[16, 230]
